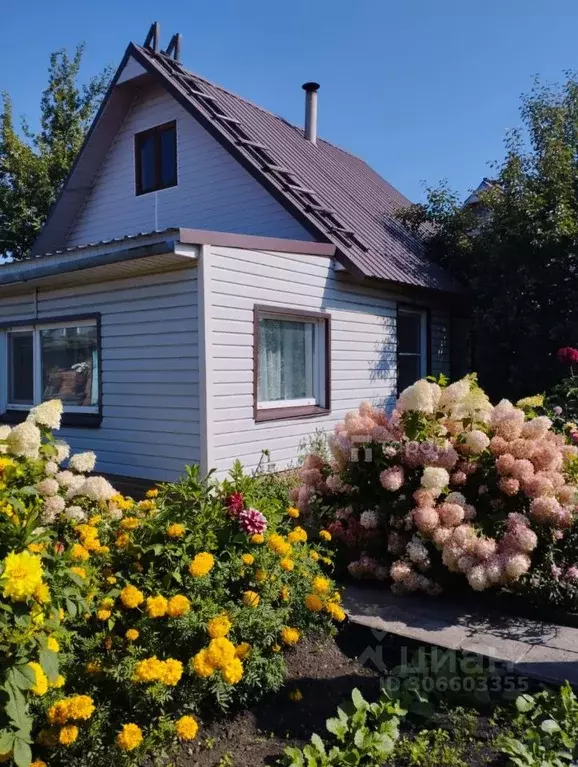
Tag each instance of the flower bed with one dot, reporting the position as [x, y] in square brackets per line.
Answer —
[449, 490]
[122, 620]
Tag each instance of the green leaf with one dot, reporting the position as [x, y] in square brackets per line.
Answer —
[525, 703]
[22, 677]
[358, 699]
[49, 662]
[6, 741]
[318, 743]
[16, 709]
[549, 726]
[71, 608]
[22, 753]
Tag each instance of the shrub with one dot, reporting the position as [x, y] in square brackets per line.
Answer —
[122, 621]
[446, 486]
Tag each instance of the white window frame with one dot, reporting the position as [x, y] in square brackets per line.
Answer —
[35, 328]
[316, 356]
[423, 343]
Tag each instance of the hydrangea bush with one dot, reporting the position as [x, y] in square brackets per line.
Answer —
[122, 621]
[447, 487]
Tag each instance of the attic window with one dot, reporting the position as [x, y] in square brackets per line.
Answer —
[156, 158]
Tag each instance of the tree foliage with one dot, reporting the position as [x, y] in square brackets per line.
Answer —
[34, 165]
[516, 252]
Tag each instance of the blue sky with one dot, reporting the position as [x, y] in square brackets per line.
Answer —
[422, 90]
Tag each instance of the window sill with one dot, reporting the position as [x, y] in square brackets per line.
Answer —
[78, 420]
[285, 413]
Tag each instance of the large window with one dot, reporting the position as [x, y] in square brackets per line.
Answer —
[291, 363]
[412, 348]
[156, 158]
[53, 361]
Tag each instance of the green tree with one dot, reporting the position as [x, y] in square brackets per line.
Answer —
[517, 252]
[34, 165]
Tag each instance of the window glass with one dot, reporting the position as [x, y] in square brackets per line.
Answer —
[69, 359]
[408, 370]
[409, 333]
[286, 358]
[147, 163]
[20, 368]
[168, 163]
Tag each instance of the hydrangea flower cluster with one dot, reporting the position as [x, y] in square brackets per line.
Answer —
[446, 483]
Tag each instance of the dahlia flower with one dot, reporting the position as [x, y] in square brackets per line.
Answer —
[567, 355]
[252, 521]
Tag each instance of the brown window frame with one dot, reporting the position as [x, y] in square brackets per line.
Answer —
[139, 139]
[304, 411]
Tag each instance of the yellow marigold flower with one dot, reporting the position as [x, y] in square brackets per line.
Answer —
[58, 713]
[178, 606]
[285, 593]
[276, 648]
[121, 502]
[132, 635]
[293, 512]
[287, 564]
[314, 556]
[175, 530]
[129, 738]
[201, 664]
[186, 728]
[102, 550]
[257, 538]
[79, 552]
[219, 626]
[326, 560]
[172, 672]
[111, 579]
[38, 763]
[131, 597]
[107, 603]
[321, 585]
[313, 603]
[152, 493]
[42, 594]
[156, 606]
[59, 682]
[295, 695]
[290, 636]
[80, 571]
[22, 575]
[80, 707]
[278, 544]
[220, 651]
[93, 667]
[103, 615]
[251, 598]
[336, 612]
[297, 535]
[130, 523]
[242, 650]
[67, 734]
[122, 541]
[95, 520]
[260, 576]
[201, 565]
[325, 535]
[52, 644]
[232, 672]
[36, 548]
[61, 615]
[148, 670]
[247, 559]
[335, 597]
[41, 681]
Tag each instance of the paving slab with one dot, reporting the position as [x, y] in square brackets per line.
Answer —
[543, 651]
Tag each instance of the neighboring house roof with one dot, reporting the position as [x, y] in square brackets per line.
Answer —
[485, 185]
[335, 195]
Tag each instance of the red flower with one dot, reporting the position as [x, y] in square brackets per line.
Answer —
[568, 355]
[235, 504]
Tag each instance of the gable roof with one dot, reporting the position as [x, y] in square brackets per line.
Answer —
[335, 195]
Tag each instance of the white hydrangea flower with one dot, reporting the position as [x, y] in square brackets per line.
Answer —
[48, 486]
[477, 441]
[51, 468]
[434, 478]
[74, 484]
[456, 498]
[115, 513]
[97, 489]
[47, 414]
[422, 396]
[4, 432]
[24, 440]
[83, 462]
[62, 451]
[75, 513]
[369, 520]
[53, 506]
[66, 478]
[417, 552]
[454, 393]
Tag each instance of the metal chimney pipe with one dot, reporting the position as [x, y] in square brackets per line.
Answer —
[311, 111]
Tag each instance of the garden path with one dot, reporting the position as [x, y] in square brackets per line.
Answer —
[543, 651]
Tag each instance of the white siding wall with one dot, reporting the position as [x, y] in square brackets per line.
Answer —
[150, 371]
[363, 348]
[214, 191]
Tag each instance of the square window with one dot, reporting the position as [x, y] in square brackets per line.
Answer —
[20, 367]
[291, 363]
[156, 158]
[411, 347]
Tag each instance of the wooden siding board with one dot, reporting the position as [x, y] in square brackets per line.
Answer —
[213, 192]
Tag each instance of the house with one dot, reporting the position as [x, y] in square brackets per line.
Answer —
[213, 281]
